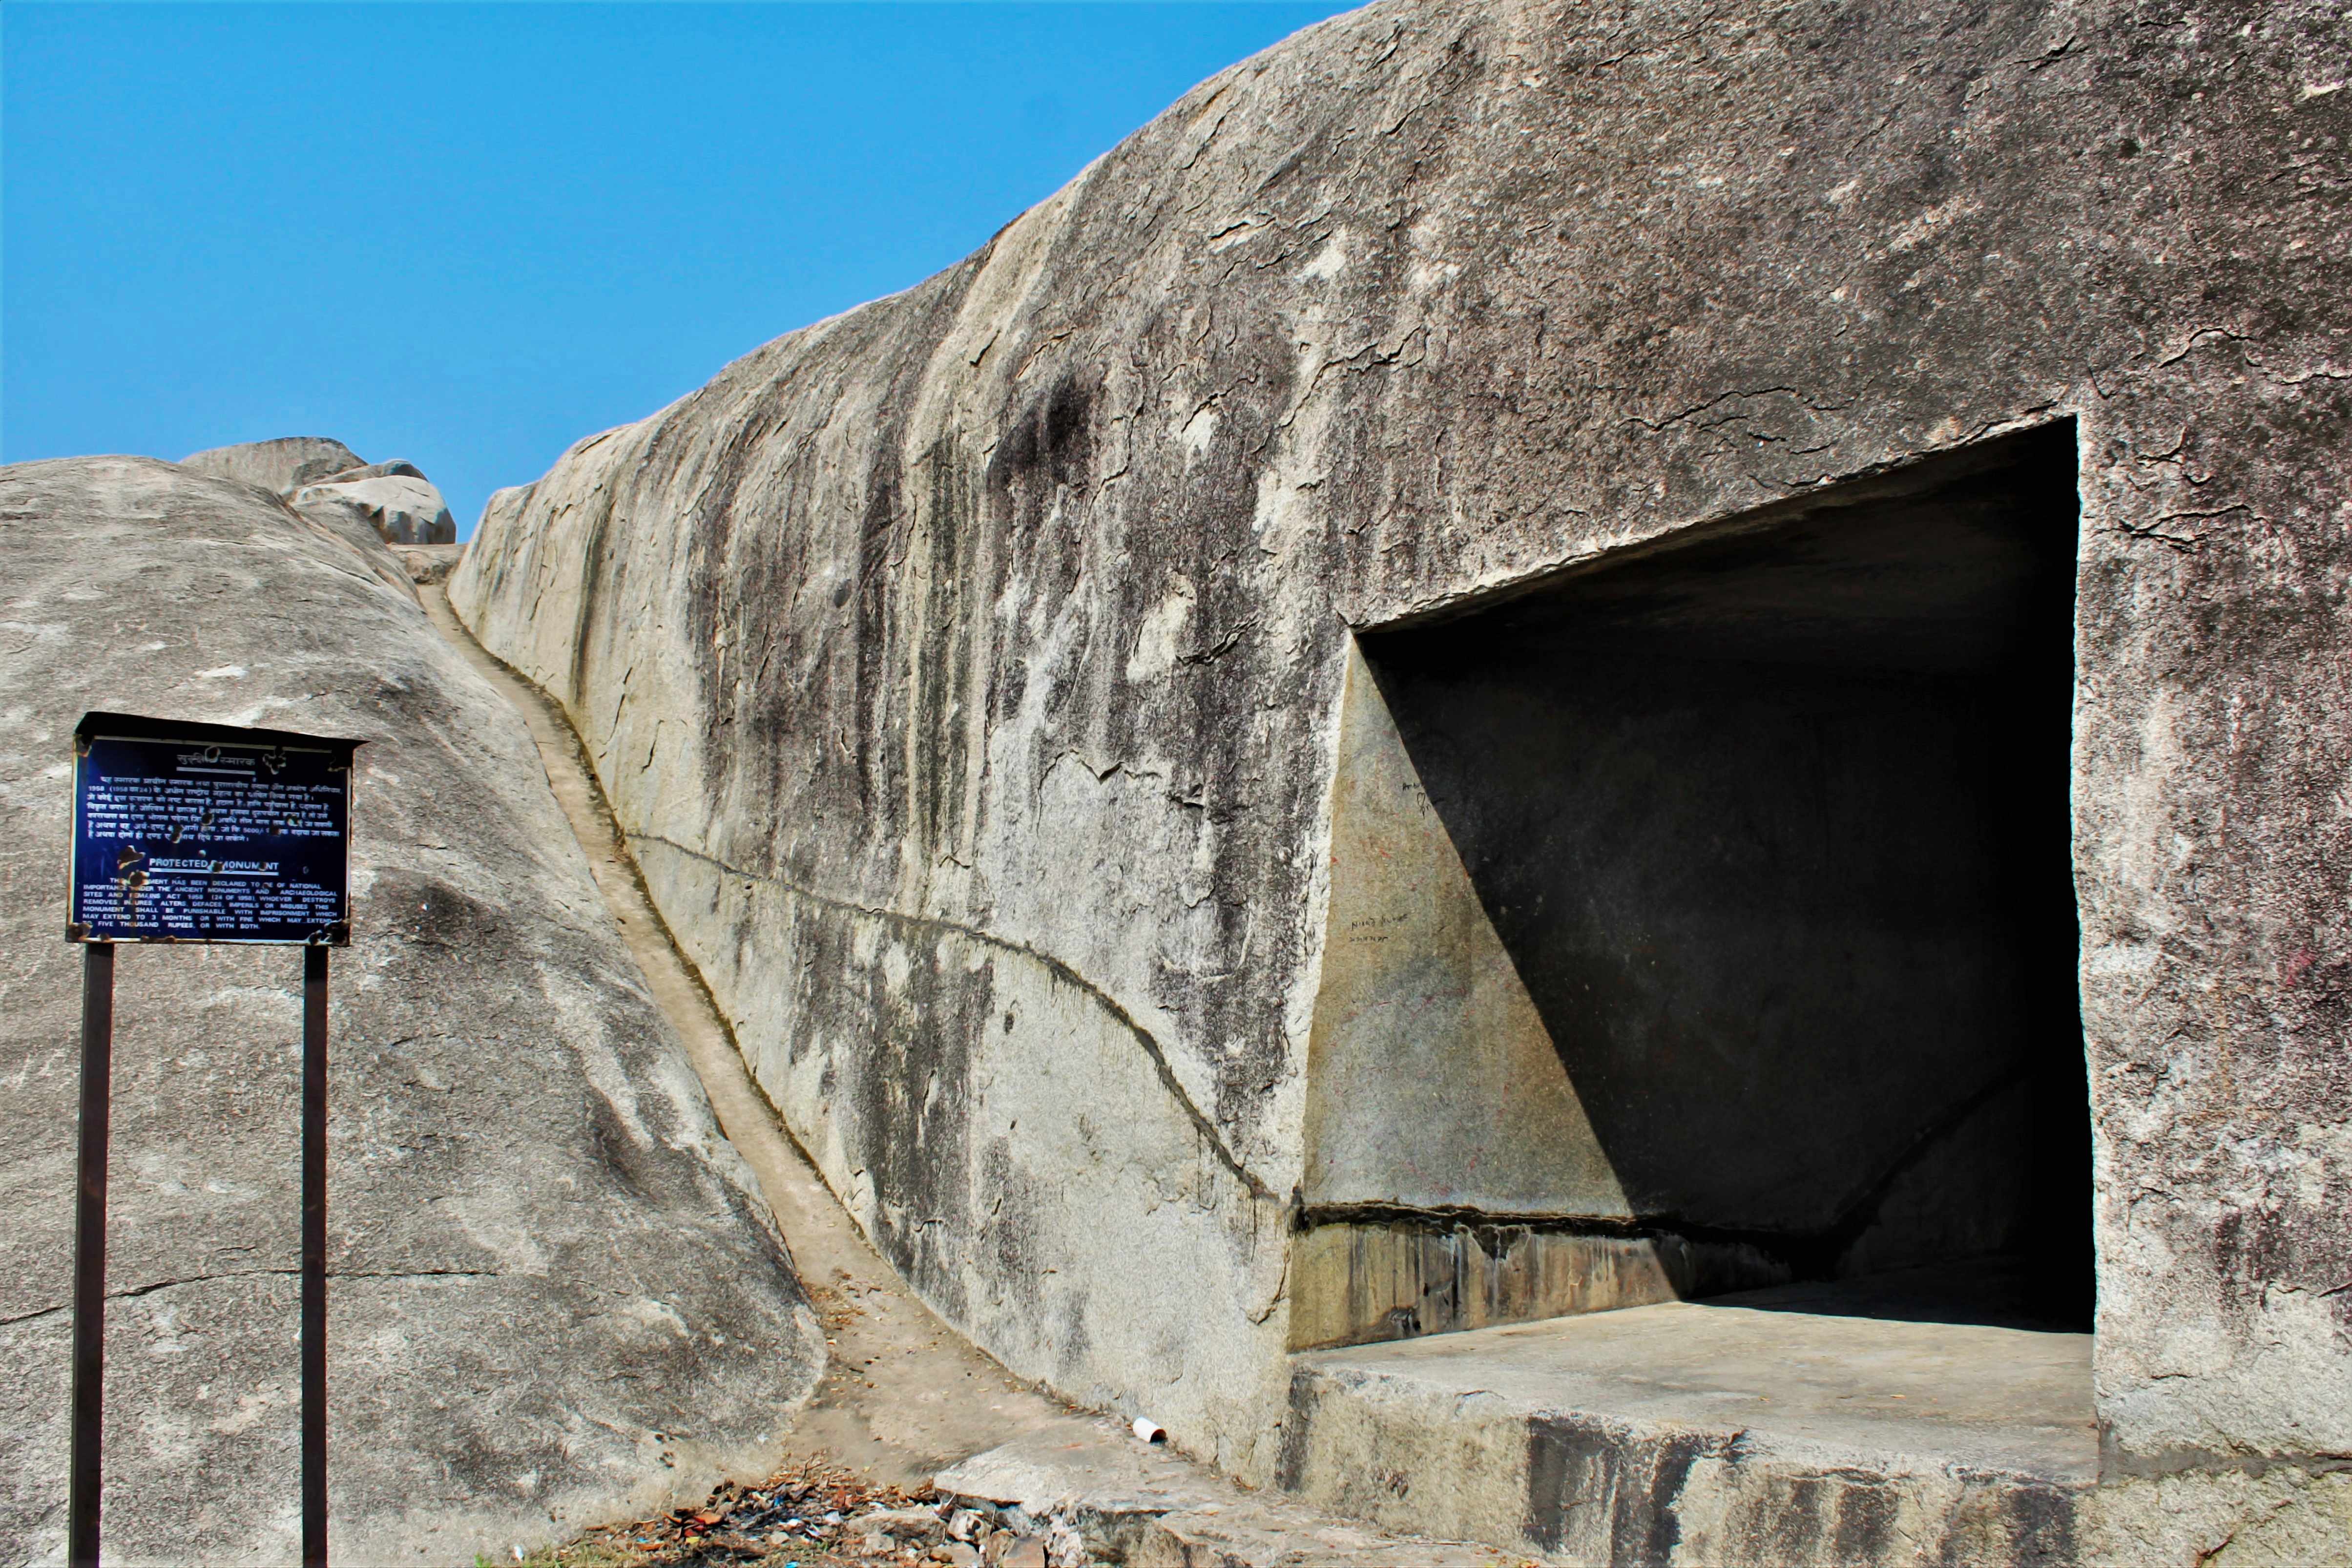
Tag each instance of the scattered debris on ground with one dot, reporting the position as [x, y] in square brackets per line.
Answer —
[816, 1516]
[819, 1515]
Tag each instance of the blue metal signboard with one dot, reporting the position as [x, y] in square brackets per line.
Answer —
[209, 833]
[200, 833]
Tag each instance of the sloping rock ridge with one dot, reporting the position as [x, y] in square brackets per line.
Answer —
[966, 669]
[329, 482]
[556, 1297]
[282, 466]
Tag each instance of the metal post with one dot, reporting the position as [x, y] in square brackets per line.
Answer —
[90, 1253]
[314, 1257]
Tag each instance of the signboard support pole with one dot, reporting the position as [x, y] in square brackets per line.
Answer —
[90, 1253]
[314, 1257]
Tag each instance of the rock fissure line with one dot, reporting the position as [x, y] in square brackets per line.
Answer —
[1057, 968]
[138, 1291]
[627, 840]
[901, 1387]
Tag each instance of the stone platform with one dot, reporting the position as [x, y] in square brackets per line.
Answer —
[1770, 1427]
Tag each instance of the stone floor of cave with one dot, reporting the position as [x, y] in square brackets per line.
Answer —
[1863, 1368]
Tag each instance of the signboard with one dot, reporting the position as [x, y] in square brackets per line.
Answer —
[200, 833]
[208, 833]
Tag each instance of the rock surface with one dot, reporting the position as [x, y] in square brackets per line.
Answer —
[393, 498]
[1741, 1431]
[556, 1297]
[428, 564]
[332, 483]
[399, 467]
[966, 669]
[283, 465]
[900, 1389]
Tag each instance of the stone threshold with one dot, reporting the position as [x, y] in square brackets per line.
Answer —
[1769, 1427]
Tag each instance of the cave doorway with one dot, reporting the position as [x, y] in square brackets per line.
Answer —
[1704, 921]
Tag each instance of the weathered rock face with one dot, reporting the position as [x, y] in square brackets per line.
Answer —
[284, 466]
[968, 668]
[329, 482]
[397, 469]
[393, 498]
[428, 563]
[556, 1294]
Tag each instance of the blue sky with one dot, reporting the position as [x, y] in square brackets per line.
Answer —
[470, 235]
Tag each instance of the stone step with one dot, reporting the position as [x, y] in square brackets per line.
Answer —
[1147, 1508]
[1723, 1434]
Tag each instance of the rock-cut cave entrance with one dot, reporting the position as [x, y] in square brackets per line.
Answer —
[1704, 922]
